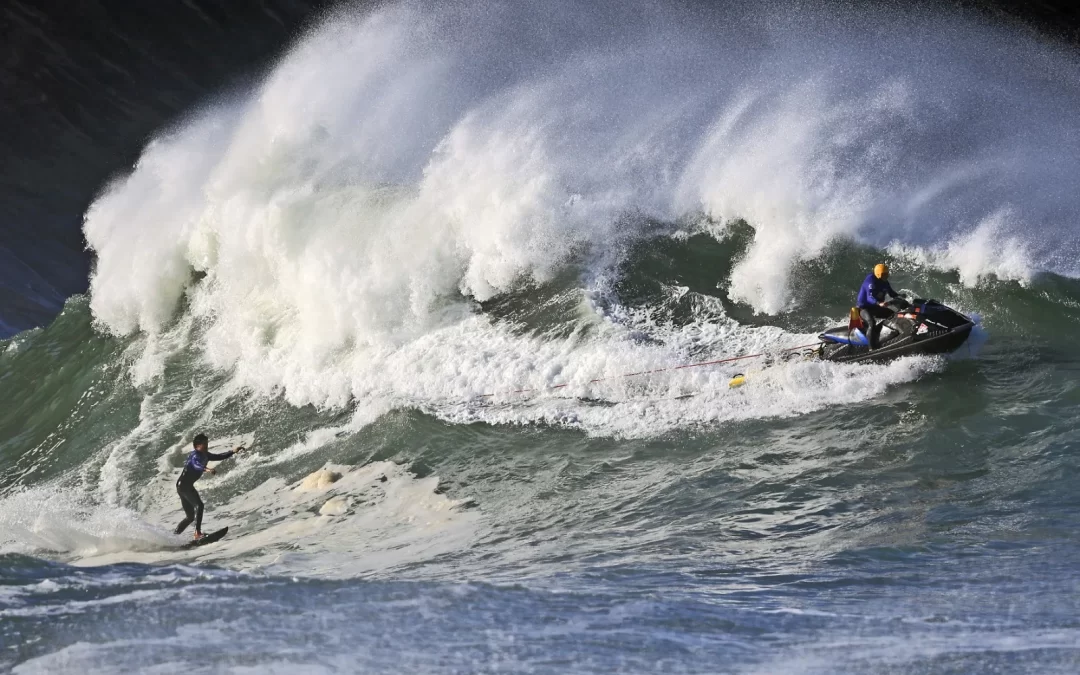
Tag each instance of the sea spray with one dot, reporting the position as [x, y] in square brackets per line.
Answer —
[400, 163]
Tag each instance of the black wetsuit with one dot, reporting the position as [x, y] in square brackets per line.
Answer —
[185, 486]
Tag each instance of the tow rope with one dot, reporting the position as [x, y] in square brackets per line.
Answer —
[653, 372]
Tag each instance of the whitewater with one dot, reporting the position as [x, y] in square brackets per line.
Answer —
[410, 269]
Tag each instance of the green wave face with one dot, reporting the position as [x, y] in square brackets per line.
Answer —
[92, 444]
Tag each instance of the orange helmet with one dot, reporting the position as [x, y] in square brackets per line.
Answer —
[881, 271]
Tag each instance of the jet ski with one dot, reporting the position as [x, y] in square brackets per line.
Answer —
[918, 327]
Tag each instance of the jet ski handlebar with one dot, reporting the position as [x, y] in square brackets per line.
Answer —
[898, 304]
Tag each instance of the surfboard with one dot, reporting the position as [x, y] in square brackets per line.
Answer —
[208, 539]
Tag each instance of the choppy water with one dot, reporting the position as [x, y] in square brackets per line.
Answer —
[422, 212]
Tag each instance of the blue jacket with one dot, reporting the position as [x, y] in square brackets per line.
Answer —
[873, 291]
[196, 464]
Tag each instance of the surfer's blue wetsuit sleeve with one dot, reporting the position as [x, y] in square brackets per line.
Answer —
[196, 463]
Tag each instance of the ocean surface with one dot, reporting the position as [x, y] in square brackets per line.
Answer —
[447, 259]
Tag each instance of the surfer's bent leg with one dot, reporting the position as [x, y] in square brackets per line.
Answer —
[189, 509]
[198, 511]
[193, 506]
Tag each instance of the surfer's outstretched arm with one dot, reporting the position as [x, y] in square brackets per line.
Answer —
[215, 457]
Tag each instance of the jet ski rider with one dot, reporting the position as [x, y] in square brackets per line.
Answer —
[873, 300]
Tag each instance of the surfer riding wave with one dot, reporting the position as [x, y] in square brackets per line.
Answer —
[194, 468]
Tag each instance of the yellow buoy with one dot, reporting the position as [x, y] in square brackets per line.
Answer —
[737, 381]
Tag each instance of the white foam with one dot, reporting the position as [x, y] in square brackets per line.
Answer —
[77, 606]
[993, 249]
[916, 650]
[63, 520]
[373, 519]
[399, 163]
[383, 519]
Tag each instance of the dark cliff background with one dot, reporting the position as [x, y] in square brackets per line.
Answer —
[84, 85]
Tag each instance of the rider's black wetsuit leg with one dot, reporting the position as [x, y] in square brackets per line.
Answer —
[190, 500]
[869, 316]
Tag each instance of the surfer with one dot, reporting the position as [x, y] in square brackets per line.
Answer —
[193, 471]
[873, 300]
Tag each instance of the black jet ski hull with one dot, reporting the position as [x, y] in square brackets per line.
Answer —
[944, 343]
[926, 327]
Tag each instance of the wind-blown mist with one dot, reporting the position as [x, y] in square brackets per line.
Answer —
[397, 164]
